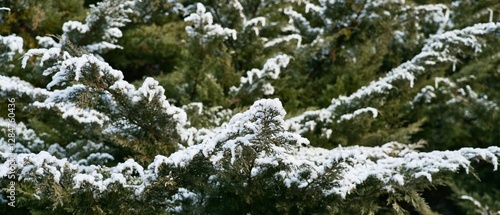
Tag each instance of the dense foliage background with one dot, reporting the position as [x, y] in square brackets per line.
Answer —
[250, 106]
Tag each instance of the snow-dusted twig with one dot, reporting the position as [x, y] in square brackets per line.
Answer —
[204, 28]
[258, 80]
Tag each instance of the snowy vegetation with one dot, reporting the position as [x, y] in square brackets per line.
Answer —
[250, 107]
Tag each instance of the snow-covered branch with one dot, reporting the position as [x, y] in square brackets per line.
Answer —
[123, 110]
[258, 80]
[280, 155]
[10, 46]
[103, 22]
[204, 28]
[439, 48]
[18, 87]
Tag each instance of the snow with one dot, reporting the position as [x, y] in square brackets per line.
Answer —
[224, 147]
[248, 23]
[130, 167]
[255, 21]
[435, 13]
[149, 89]
[79, 179]
[26, 139]
[181, 195]
[475, 202]
[47, 42]
[258, 79]
[116, 16]
[459, 37]
[99, 47]
[247, 124]
[426, 94]
[447, 81]
[358, 112]
[113, 32]
[283, 39]
[390, 163]
[464, 94]
[75, 25]
[40, 164]
[359, 165]
[14, 46]
[479, 207]
[393, 164]
[204, 27]
[96, 157]
[46, 54]
[301, 22]
[59, 99]
[84, 65]
[90, 68]
[436, 48]
[123, 87]
[43, 163]
[82, 115]
[19, 87]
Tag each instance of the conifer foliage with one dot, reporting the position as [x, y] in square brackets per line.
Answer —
[393, 107]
